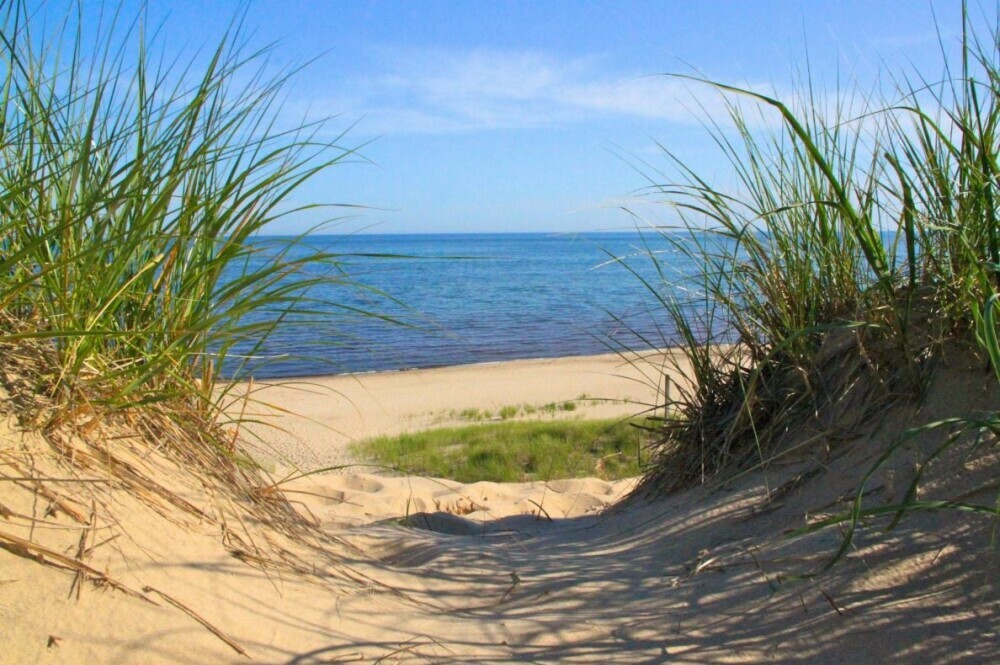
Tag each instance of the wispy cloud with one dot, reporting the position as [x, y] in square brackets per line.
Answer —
[448, 91]
[930, 39]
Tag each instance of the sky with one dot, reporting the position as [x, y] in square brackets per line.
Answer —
[542, 116]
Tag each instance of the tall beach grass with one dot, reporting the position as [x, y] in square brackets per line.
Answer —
[861, 240]
[131, 189]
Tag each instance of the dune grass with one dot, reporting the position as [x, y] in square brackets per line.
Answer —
[859, 241]
[515, 451]
[131, 191]
[130, 196]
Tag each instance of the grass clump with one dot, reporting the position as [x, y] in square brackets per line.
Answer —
[130, 196]
[131, 192]
[554, 407]
[855, 248]
[508, 412]
[515, 451]
[474, 415]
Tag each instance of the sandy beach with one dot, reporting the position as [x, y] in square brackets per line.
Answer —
[309, 423]
[420, 570]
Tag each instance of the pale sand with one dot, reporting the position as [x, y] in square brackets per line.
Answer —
[705, 576]
[354, 499]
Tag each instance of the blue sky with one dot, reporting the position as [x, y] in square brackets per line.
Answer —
[543, 116]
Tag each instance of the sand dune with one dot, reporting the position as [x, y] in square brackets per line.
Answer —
[428, 571]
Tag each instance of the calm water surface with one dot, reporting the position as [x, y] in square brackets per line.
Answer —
[472, 299]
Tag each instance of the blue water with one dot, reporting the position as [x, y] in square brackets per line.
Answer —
[472, 299]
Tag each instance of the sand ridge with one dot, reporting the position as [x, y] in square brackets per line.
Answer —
[704, 576]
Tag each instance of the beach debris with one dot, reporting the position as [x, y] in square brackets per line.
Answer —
[516, 582]
[197, 617]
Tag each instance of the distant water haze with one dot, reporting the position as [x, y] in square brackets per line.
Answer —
[476, 298]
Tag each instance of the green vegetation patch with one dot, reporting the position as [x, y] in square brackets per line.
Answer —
[473, 415]
[516, 451]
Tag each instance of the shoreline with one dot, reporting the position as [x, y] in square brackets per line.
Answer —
[639, 356]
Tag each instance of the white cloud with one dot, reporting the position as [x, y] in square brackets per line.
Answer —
[658, 97]
[435, 91]
[446, 91]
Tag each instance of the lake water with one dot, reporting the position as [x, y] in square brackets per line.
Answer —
[475, 298]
